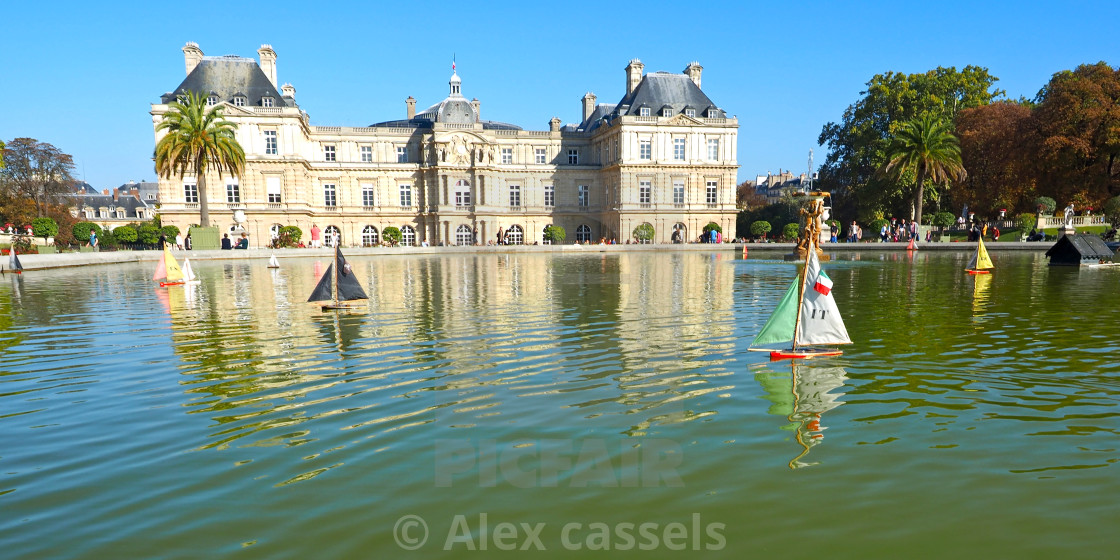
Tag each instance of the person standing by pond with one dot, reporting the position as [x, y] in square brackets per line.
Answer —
[92, 239]
[315, 233]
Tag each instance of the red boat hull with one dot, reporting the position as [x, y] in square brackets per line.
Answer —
[802, 354]
[978, 272]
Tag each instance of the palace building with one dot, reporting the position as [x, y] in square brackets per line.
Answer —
[664, 155]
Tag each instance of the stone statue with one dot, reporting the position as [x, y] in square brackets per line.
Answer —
[1069, 216]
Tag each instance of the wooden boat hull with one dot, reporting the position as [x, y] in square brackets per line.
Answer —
[802, 354]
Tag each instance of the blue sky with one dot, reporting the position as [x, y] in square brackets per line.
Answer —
[82, 75]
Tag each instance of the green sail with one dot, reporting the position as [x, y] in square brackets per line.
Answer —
[780, 326]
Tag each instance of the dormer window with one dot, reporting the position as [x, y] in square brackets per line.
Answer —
[690, 113]
[713, 112]
[666, 111]
[239, 101]
[212, 99]
[266, 102]
[643, 111]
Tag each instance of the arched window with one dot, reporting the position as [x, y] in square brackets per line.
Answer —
[644, 233]
[680, 233]
[464, 235]
[583, 234]
[408, 236]
[545, 240]
[369, 236]
[462, 193]
[515, 235]
[332, 236]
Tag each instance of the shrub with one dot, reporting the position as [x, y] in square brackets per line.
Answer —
[392, 234]
[126, 234]
[81, 231]
[287, 236]
[555, 234]
[1112, 210]
[44, 227]
[943, 219]
[760, 228]
[835, 225]
[1045, 205]
[1027, 221]
[147, 234]
[644, 233]
[876, 226]
[711, 226]
[791, 230]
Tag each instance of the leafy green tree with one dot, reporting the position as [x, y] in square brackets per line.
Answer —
[392, 234]
[644, 233]
[791, 231]
[1112, 211]
[1045, 205]
[759, 228]
[555, 234]
[288, 236]
[38, 172]
[125, 234]
[168, 231]
[44, 227]
[711, 226]
[147, 234]
[997, 141]
[1027, 221]
[198, 138]
[943, 219]
[876, 226]
[81, 231]
[927, 148]
[857, 143]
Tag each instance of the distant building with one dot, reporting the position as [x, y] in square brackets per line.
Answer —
[785, 183]
[664, 155]
[144, 190]
[110, 209]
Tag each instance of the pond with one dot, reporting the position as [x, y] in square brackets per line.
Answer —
[602, 404]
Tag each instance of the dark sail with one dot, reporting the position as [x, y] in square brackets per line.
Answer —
[348, 286]
[13, 261]
[322, 291]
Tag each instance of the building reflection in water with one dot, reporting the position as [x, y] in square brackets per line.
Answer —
[802, 392]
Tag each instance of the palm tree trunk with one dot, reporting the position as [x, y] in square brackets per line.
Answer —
[920, 195]
[203, 202]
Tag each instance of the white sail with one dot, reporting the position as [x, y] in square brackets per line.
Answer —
[820, 322]
[188, 273]
[273, 263]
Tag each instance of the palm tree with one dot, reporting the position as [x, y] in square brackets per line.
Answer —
[198, 138]
[925, 146]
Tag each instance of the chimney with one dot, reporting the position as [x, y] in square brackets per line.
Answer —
[477, 109]
[104, 191]
[693, 70]
[268, 62]
[289, 91]
[554, 124]
[588, 105]
[633, 75]
[116, 195]
[410, 103]
[192, 54]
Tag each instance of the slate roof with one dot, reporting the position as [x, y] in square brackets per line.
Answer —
[97, 201]
[228, 76]
[657, 89]
[453, 109]
[1071, 249]
[82, 187]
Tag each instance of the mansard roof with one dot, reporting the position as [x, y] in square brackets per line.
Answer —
[657, 89]
[229, 76]
[454, 109]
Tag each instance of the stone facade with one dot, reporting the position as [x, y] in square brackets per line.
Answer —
[664, 155]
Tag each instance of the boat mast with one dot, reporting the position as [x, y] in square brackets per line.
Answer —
[334, 281]
[812, 233]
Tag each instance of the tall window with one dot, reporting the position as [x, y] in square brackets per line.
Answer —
[541, 157]
[573, 157]
[515, 195]
[328, 153]
[367, 154]
[583, 234]
[272, 185]
[270, 142]
[678, 148]
[713, 192]
[645, 149]
[464, 235]
[550, 195]
[645, 192]
[406, 195]
[367, 194]
[462, 193]
[507, 155]
[233, 191]
[190, 193]
[678, 191]
[408, 236]
[329, 195]
[515, 235]
[713, 149]
[402, 154]
[584, 194]
[369, 236]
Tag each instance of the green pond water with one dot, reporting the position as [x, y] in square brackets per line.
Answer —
[598, 405]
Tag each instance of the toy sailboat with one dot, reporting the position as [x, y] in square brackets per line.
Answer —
[168, 271]
[13, 262]
[806, 316]
[980, 262]
[189, 277]
[338, 285]
[273, 263]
